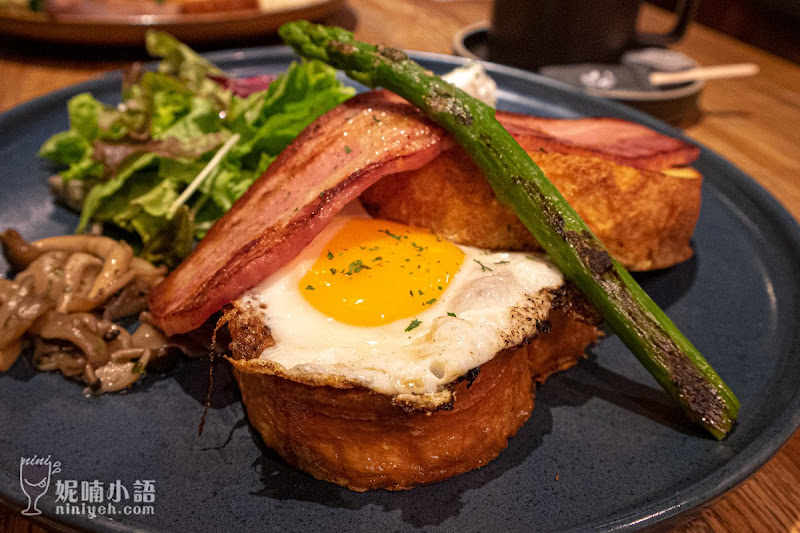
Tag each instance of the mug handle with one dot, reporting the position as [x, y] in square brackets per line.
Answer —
[685, 11]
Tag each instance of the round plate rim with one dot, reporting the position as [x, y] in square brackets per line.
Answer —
[155, 21]
[744, 463]
[130, 29]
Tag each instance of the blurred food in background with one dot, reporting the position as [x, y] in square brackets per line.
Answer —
[114, 8]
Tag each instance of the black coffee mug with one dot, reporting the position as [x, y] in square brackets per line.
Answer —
[533, 33]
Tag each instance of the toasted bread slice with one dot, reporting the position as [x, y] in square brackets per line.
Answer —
[645, 218]
[363, 440]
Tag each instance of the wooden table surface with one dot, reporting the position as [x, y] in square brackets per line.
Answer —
[753, 122]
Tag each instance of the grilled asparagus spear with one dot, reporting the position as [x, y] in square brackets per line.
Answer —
[517, 180]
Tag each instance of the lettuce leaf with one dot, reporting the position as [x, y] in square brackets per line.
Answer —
[180, 61]
[138, 157]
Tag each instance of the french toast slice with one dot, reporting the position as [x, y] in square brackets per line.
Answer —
[360, 439]
[644, 218]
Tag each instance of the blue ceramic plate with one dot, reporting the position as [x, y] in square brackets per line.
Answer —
[604, 450]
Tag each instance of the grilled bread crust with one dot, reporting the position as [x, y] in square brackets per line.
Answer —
[645, 218]
[360, 439]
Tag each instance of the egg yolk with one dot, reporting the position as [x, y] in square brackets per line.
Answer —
[373, 272]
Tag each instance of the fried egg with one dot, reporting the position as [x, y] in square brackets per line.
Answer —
[397, 309]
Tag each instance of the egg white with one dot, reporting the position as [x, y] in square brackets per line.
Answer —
[498, 299]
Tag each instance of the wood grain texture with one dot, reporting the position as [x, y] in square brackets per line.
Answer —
[752, 122]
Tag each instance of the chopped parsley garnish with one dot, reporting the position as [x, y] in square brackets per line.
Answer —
[377, 259]
[420, 292]
[376, 119]
[347, 149]
[502, 262]
[484, 268]
[330, 255]
[334, 271]
[417, 246]
[450, 314]
[310, 288]
[414, 323]
[430, 302]
[390, 234]
[440, 287]
[356, 267]
[411, 292]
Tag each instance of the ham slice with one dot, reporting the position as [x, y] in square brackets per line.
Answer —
[614, 139]
[329, 164]
[335, 159]
[244, 87]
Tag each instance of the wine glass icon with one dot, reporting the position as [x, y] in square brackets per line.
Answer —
[34, 479]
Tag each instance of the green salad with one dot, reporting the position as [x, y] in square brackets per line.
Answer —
[183, 145]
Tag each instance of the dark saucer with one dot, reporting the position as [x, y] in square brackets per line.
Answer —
[675, 105]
